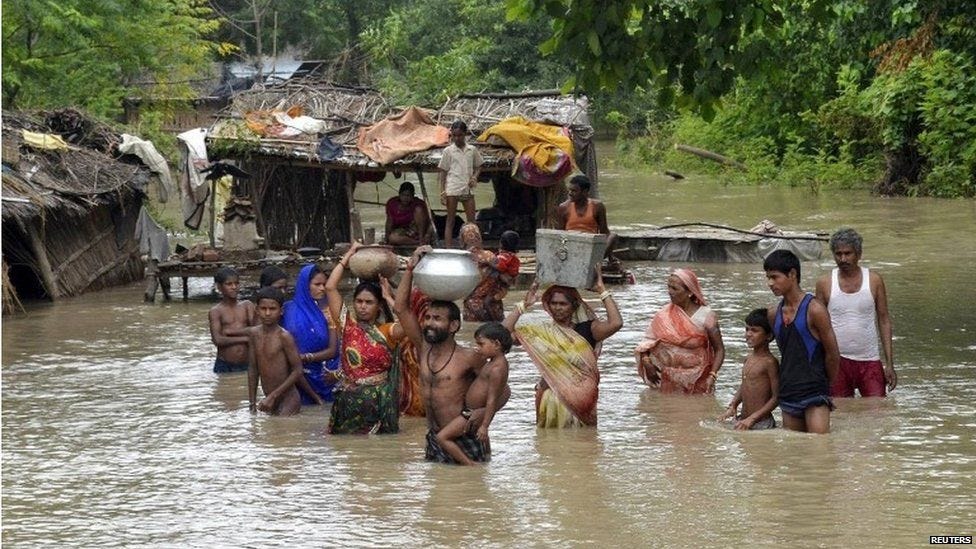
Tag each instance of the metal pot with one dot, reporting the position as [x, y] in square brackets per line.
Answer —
[372, 262]
[447, 275]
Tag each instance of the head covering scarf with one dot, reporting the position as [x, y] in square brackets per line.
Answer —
[470, 235]
[688, 278]
[306, 323]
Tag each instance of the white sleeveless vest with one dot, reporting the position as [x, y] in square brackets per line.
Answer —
[854, 319]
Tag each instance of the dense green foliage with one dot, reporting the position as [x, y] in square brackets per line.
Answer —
[859, 94]
[91, 53]
[809, 92]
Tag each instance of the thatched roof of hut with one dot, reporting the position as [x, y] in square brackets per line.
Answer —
[346, 109]
[69, 181]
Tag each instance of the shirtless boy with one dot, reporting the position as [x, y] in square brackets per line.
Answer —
[447, 369]
[809, 357]
[228, 321]
[273, 358]
[759, 390]
[493, 341]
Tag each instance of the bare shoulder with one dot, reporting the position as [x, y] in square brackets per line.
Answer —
[470, 356]
[768, 361]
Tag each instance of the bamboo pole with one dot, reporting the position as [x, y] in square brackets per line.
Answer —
[355, 222]
[43, 263]
[710, 155]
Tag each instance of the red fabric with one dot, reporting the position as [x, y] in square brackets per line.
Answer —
[400, 215]
[366, 350]
[410, 402]
[690, 280]
[508, 263]
[867, 376]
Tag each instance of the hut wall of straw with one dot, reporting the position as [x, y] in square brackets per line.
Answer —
[298, 206]
[69, 215]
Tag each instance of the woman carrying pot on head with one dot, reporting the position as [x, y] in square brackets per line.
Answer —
[682, 350]
[315, 335]
[565, 350]
[366, 401]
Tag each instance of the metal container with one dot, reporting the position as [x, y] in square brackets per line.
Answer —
[568, 258]
[372, 262]
[447, 275]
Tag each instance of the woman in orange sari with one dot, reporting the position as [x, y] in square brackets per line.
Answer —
[565, 351]
[367, 398]
[682, 350]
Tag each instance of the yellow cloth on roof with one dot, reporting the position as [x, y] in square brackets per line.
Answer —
[536, 140]
[45, 141]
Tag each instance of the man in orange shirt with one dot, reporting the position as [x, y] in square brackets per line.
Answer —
[585, 214]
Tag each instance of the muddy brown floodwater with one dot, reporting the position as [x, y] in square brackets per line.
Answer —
[116, 433]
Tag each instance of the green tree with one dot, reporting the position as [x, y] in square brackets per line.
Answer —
[92, 53]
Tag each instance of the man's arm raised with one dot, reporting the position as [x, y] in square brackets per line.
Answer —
[401, 305]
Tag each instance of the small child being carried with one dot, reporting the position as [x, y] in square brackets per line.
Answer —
[273, 359]
[759, 391]
[489, 390]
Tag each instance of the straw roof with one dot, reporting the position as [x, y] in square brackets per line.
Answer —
[67, 181]
[346, 109]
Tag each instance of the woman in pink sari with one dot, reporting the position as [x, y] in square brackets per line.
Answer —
[565, 350]
[682, 350]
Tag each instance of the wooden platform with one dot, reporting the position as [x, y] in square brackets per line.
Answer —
[699, 242]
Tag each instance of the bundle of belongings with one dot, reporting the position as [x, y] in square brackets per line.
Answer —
[545, 152]
[400, 135]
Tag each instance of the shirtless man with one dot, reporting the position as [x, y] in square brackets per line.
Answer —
[858, 304]
[582, 213]
[228, 321]
[273, 359]
[447, 369]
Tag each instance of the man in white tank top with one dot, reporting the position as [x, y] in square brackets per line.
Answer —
[857, 302]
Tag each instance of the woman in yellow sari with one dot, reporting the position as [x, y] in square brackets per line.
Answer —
[682, 350]
[565, 351]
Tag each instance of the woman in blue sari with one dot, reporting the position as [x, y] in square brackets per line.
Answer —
[305, 320]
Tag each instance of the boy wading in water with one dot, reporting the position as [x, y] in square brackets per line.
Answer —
[486, 391]
[460, 167]
[759, 390]
[809, 356]
[274, 359]
[228, 321]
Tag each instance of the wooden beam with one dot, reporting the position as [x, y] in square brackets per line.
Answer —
[43, 263]
[355, 222]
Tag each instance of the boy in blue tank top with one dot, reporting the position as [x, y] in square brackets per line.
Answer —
[806, 341]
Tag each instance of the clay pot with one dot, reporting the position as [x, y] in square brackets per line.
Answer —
[447, 275]
[372, 262]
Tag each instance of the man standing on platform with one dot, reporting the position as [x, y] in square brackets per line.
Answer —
[585, 214]
[857, 302]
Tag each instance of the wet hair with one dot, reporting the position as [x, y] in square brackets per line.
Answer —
[495, 332]
[453, 312]
[581, 181]
[846, 237]
[407, 186]
[224, 274]
[272, 274]
[782, 261]
[459, 125]
[509, 241]
[270, 292]
[760, 319]
[374, 288]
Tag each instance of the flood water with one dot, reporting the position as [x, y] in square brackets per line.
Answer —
[116, 433]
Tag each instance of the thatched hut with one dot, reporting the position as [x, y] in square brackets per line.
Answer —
[306, 199]
[69, 208]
